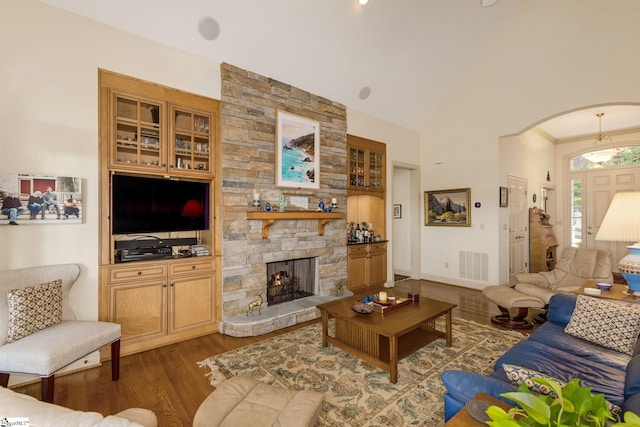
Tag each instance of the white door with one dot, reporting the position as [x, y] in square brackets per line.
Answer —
[518, 226]
[601, 187]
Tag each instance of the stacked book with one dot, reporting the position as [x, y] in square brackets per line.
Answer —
[199, 250]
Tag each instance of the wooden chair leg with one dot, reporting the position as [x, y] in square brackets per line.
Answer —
[115, 360]
[4, 380]
[46, 388]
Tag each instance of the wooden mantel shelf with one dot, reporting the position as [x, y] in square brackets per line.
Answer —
[269, 218]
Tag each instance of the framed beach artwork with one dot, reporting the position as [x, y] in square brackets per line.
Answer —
[448, 207]
[297, 151]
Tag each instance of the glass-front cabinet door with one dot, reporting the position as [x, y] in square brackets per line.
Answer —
[138, 137]
[356, 167]
[376, 170]
[192, 143]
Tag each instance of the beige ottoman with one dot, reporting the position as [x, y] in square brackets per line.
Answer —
[506, 298]
[243, 401]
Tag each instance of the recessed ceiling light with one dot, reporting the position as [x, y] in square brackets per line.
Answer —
[209, 28]
[364, 93]
[363, 2]
[487, 3]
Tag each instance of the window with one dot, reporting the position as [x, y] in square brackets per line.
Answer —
[576, 212]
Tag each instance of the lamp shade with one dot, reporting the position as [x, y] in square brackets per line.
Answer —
[622, 224]
[622, 221]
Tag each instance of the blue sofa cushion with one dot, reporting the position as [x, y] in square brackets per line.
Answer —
[632, 379]
[463, 386]
[552, 334]
[564, 366]
[560, 308]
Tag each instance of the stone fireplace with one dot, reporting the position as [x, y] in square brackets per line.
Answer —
[248, 131]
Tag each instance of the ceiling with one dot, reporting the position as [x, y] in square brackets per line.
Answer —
[409, 54]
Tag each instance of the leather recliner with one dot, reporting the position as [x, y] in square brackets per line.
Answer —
[575, 267]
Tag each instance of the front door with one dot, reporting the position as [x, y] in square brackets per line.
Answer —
[601, 187]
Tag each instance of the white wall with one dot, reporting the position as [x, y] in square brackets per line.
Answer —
[550, 57]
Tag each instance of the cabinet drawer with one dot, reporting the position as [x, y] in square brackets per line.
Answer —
[378, 247]
[121, 274]
[193, 266]
[358, 249]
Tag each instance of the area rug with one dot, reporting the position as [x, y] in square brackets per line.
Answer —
[356, 392]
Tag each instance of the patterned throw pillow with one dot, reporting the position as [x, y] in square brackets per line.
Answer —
[518, 374]
[34, 308]
[611, 325]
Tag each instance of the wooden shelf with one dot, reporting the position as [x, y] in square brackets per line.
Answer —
[269, 218]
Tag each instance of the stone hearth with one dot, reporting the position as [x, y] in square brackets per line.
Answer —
[276, 317]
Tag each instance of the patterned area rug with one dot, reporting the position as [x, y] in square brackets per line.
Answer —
[356, 392]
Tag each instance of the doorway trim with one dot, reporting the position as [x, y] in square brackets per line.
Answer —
[412, 212]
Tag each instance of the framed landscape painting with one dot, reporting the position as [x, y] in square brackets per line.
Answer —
[297, 151]
[447, 207]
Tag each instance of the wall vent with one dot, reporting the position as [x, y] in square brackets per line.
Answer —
[474, 265]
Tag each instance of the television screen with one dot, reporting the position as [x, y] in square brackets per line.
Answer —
[151, 205]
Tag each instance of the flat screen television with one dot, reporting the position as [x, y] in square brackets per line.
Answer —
[152, 205]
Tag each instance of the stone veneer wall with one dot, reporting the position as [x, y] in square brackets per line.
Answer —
[249, 105]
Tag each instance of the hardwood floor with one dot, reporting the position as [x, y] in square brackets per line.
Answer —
[168, 381]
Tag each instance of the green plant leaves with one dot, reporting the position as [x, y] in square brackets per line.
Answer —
[568, 406]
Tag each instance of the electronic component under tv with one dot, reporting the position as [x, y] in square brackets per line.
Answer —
[151, 205]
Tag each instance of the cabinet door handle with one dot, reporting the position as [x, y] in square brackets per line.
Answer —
[193, 267]
[164, 285]
[139, 273]
[172, 284]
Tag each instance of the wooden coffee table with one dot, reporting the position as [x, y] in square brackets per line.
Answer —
[383, 339]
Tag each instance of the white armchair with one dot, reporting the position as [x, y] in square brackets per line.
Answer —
[53, 347]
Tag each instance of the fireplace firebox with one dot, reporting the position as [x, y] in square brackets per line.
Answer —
[290, 279]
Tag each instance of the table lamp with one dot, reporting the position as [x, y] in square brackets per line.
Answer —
[622, 224]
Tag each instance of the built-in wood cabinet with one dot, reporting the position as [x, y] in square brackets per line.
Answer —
[159, 302]
[542, 242]
[366, 265]
[366, 202]
[152, 130]
[365, 165]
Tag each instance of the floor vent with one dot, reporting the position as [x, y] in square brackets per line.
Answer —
[474, 265]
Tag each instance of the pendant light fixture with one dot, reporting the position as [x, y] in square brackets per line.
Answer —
[603, 149]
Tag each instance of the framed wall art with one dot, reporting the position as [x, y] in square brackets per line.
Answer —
[297, 151]
[448, 207]
[397, 211]
[504, 197]
[40, 199]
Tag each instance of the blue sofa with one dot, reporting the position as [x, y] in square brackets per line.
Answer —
[550, 351]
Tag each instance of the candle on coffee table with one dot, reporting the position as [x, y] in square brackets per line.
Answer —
[382, 296]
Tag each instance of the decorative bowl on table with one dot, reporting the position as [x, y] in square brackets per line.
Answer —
[362, 308]
[604, 286]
